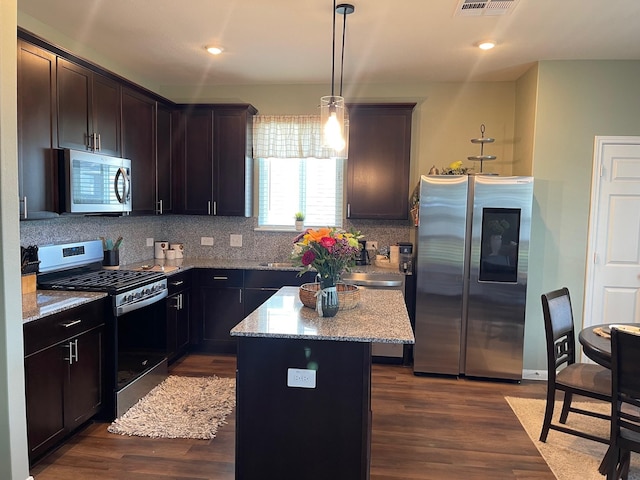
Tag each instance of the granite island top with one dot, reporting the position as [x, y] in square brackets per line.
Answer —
[380, 317]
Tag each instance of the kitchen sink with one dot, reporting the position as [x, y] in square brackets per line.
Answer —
[277, 264]
[374, 280]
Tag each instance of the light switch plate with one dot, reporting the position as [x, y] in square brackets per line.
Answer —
[149, 242]
[301, 378]
[206, 241]
[235, 240]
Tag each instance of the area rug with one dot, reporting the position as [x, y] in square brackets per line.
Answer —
[569, 457]
[180, 407]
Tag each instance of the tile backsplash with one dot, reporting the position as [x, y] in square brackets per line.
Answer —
[188, 229]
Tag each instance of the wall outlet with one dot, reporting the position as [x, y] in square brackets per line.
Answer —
[149, 242]
[301, 378]
[206, 241]
[235, 240]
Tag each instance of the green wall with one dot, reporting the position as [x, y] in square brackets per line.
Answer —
[574, 102]
[14, 463]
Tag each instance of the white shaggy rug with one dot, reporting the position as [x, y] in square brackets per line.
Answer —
[180, 407]
[569, 457]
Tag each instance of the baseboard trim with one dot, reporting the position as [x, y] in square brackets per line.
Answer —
[534, 375]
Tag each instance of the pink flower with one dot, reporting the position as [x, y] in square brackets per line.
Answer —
[308, 258]
[327, 242]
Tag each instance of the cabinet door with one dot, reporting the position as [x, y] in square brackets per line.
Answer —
[177, 324]
[74, 100]
[139, 146]
[105, 108]
[233, 162]
[223, 309]
[83, 389]
[37, 135]
[378, 165]
[164, 159]
[197, 187]
[44, 388]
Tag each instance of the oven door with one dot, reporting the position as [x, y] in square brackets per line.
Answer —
[140, 353]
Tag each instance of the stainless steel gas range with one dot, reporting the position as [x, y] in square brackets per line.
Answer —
[136, 339]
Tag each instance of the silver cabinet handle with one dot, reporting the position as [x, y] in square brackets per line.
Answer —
[177, 283]
[348, 210]
[159, 211]
[215, 208]
[73, 351]
[220, 278]
[99, 142]
[240, 292]
[71, 324]
[24, 207]
[180, 304]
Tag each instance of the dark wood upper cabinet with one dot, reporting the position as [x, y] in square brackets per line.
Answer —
[88, 109]
[379, 160]
[36, 130]
[139, 146]
[164, 158]
[233, 146]
[214, 160]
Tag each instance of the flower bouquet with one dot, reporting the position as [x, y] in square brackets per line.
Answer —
[330, 252]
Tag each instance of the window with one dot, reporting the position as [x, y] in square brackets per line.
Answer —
[310, 185]
[295, 173]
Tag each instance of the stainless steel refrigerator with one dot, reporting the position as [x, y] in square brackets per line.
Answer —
[471, 275]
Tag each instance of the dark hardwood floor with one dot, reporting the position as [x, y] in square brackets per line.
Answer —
[423, 428]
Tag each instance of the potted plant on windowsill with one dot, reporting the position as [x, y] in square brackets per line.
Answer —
[299, 218]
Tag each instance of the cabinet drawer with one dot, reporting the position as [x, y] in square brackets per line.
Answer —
[214, 277]
[56, 328]
[275, 278]
[178, 282]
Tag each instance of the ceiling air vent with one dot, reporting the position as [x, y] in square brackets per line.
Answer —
[475, 8]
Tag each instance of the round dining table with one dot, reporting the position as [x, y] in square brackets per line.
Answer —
[595, 346]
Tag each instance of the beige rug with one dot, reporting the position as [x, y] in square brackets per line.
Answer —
[569, 457]
[180, 407]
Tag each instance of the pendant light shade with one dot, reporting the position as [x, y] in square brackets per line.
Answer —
[335, 129]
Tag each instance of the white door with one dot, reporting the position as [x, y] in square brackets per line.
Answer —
[612, 293]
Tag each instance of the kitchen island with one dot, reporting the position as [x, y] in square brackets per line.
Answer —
[304, 386]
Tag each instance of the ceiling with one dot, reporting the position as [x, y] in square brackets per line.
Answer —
[283, 42]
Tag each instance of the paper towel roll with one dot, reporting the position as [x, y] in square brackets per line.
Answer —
[160, 247]
[394, 254]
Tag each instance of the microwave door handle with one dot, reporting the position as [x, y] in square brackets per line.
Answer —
[125, 188]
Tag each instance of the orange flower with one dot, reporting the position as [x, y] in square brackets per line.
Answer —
[316, 235]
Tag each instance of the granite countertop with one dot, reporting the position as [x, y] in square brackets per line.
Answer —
[172, 266]
[380, 317]
[47, 302]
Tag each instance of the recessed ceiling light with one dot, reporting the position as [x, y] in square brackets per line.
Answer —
[214, 50]
[486, 45]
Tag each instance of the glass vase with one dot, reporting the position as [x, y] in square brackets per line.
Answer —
[327, 304]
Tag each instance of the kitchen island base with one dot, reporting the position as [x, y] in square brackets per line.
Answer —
[289, 432]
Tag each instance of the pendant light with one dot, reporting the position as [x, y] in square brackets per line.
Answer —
[332, 108]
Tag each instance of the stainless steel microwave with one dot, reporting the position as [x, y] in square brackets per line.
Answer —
[94, 183]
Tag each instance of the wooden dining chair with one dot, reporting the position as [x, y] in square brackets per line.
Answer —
[564, 373]
[625, 402]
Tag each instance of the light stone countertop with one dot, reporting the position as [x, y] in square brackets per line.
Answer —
[48, 302]
[380, 317]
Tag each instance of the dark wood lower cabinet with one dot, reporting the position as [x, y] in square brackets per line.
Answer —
[222, 298]
[311, 433]
[63, 374]
[178, 302]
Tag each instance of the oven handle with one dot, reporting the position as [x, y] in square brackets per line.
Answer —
[130, 307]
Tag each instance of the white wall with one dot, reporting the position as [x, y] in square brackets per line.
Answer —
[13, 434]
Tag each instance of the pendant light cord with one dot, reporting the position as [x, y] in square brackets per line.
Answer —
[344, 31]
[333, 51]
